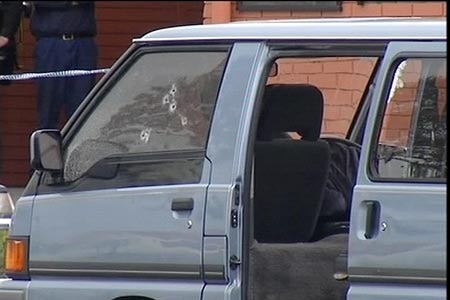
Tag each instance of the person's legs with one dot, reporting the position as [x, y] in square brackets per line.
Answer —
[84, 57]
[49, 56]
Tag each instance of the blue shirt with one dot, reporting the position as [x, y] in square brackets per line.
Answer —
[55, 18]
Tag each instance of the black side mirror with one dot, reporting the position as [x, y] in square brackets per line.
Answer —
[45, 150]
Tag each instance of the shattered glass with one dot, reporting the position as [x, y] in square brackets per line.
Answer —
[163, 102]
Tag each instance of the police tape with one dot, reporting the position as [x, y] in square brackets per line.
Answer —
[66, 73]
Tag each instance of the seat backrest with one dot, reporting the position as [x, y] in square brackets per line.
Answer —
[290, 174]
[291, 108]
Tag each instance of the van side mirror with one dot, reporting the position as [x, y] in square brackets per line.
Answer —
[45, 150]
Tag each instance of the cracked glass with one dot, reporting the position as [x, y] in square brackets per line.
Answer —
[163, 102]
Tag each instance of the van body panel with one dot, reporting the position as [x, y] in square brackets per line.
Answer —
[221, 292]
[23, 212]
[72, 289]
[409, 247]
[408, 244]
[159, 243]
[215, 259]
[396, 292]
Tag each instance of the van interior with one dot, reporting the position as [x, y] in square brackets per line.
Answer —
[303, 172]
[298, 237]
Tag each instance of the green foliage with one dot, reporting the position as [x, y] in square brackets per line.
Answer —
[3, 236]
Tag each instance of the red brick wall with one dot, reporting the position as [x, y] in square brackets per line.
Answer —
[118, 22]
[342, 81]
[349, 9]
[345, 74]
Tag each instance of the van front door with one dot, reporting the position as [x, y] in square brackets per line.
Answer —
[397, 248]
[131, 200]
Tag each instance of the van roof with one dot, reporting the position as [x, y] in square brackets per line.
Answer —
[411, 28]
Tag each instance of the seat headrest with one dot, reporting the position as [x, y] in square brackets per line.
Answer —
[291, 108]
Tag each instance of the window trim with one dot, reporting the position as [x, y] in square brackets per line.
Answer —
[372, 170]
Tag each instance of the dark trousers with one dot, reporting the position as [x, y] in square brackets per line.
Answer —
[55, 94]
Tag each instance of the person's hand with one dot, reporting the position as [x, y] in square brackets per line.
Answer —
[3, 41]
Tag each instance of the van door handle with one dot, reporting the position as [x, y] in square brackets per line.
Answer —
[179, 204]
[372, 219]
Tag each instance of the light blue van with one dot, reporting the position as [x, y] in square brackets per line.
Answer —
[252, 160]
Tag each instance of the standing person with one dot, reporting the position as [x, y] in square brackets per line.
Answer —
[10, 16]
[65, 32]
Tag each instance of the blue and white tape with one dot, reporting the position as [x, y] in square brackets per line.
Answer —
[67, 73]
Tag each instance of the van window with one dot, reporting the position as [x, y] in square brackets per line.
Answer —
[413, 139]
[341, 79]
[163, 102]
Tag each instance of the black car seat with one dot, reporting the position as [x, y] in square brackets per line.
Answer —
[290, 174]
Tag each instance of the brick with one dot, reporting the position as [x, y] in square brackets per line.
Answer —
[356, 97]
[366, 10]
[345, 12]
[26, 115]
[331, 112]
[397, 122]
[363, 66]
[410, 79]
[346, 112]
[293, 78]
[396, 9]
[288, 61]
[285, 68]
[207, 10]
[247, 14]
[23, 128]
[15, 153]
[323, 80]
[400, 108]
[308, 68]
[428, 9]
[338, 67]
[336, 96]
[19, 88]
[352, 82]
[16, 140]
[272, 80]
[306, 14]
[338, 127]
[404, 95]
[21, 102]
[19, 164]
[389, 136]
[277, 14]
[14, 179]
